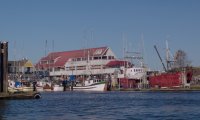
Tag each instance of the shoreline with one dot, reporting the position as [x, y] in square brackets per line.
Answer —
[159, 89]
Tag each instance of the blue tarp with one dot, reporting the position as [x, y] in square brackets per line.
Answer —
[18, 84]
[71, 77]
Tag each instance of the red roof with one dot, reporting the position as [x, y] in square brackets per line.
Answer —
[118, 63]
[61, 58]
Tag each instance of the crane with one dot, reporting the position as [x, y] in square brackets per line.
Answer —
[160, 58]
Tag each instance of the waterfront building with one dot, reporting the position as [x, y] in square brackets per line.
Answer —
[101, 63]
[91, 61]
[20, 69]
[24, 66]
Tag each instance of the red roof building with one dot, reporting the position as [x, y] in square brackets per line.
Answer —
[95, 58]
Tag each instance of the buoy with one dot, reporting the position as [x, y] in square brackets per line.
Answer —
[37, 96]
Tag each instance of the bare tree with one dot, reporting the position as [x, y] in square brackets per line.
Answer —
[181, 59]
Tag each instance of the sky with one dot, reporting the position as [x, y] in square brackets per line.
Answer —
[77, 24]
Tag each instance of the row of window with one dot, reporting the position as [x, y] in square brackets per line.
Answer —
[94, 58]
[137, 70]
[82, 67]
[82, 59]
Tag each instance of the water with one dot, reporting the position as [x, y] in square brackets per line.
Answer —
[104, 106]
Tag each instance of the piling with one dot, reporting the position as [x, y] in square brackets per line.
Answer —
[4, 67]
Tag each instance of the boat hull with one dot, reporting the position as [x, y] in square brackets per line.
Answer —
[98, 87]
[27, 89]
[170, 80]
[39, 89]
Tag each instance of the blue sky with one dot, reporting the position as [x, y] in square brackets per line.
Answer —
[76, 24]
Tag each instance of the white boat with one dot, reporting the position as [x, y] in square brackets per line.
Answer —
[43, 86]
[19, 86]
[58, 88]
[14, 89]
[91, 85]
[27, 89]
[39, 88]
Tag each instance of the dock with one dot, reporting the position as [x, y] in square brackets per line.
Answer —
[20, 95]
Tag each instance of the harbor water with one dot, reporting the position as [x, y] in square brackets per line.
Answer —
[104, 106]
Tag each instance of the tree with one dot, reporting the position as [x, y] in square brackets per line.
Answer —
[181, 59]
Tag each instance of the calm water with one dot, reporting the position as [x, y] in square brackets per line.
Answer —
[105, 106]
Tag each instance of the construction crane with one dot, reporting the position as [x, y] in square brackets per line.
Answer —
[160, 58]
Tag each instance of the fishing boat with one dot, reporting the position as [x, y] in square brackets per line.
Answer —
[91, 85]
[171, 79]
[173, 76]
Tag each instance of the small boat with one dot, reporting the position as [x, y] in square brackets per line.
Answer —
[39, 88]
[43, 85]
[15, 86]
[14, 89]
[47, 87]
[58, 88]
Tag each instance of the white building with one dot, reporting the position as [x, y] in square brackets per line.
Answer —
[78, 62]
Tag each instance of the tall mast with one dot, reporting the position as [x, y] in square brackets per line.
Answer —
[142, 51]
[15, 58]
[45, 49]
[53, 56]
[124, 48]
[167, 55]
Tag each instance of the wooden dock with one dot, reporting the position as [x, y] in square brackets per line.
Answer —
[20, 95]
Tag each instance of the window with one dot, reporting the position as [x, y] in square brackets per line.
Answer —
[78, 59]
[104, 57]
[98, 51]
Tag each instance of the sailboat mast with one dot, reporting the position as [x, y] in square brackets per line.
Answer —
[53, 57]
[167, 55]
[45, 49]
[142, 51]
[15, 58]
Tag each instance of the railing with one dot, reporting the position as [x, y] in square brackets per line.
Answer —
[83, 72]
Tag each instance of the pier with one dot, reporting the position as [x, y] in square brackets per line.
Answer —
[4, 94]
